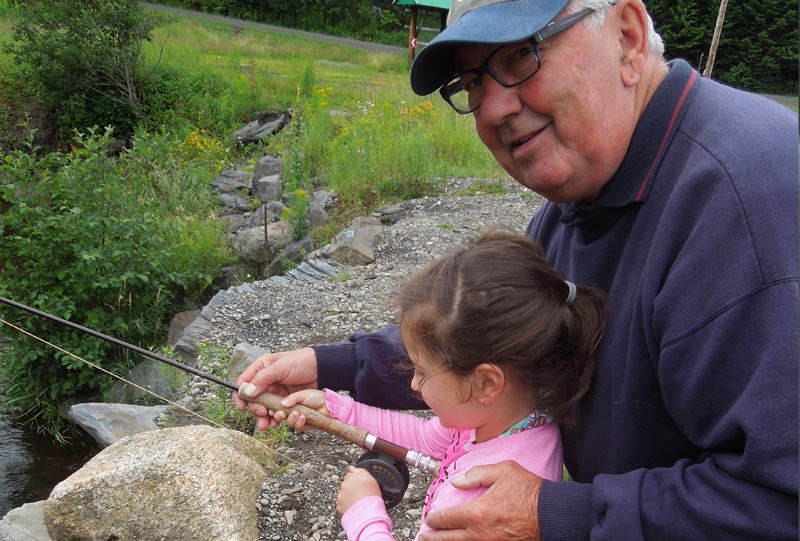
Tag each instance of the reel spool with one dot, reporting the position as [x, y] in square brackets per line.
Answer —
[392, 475]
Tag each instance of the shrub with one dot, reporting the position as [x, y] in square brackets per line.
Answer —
[106, 243]
[85, 58]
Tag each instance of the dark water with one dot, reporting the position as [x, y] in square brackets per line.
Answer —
[32, 464]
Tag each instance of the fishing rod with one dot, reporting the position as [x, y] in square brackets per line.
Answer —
[386, 461]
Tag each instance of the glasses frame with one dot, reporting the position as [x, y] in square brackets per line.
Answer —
[549, 30]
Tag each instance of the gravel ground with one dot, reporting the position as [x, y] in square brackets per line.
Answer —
[299, 499]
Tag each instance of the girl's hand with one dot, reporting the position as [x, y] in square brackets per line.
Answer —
[357, 484]
[311, 398]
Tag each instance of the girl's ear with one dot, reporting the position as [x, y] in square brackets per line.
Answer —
[490, 380]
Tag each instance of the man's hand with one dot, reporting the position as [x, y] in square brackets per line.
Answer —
[278, 373]
[508, 510]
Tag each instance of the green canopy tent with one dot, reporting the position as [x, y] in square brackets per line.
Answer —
[433, 6]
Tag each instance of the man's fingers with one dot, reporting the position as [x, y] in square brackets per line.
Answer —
[261, 361]
[445, 535]
[479, 476]
[452, 518]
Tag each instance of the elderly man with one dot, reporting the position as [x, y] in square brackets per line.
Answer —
[679, 197]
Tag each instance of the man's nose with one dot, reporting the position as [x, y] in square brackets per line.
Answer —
[498, 101]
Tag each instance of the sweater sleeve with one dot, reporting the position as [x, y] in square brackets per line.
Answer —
[367, 520]
[734, 395]
[371, 366]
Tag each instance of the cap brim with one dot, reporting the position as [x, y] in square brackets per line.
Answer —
[502, 22]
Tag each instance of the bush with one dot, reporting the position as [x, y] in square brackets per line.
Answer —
[105, 242]
[85, 58]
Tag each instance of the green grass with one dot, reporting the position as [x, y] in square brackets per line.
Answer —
[359, 129]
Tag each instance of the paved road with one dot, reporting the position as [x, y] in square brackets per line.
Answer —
[239, 23]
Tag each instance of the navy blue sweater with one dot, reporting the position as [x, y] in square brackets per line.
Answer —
[690, 429]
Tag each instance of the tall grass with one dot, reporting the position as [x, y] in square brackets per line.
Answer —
[357, 129]
[8, 8]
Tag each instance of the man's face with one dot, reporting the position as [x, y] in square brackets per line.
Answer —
[563, 133]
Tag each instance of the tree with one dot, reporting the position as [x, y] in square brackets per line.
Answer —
[85, 58]
[758, 46]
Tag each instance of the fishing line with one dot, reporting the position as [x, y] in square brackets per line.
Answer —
[386, 461]
[187, 410]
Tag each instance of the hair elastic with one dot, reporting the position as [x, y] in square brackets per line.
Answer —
[573, 291]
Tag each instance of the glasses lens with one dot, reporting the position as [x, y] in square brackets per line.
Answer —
[514, 64]
[464, 93]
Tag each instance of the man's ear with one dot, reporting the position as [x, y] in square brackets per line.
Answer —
[490, 380]
[632, 20]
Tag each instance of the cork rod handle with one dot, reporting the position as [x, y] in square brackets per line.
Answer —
[314, 418]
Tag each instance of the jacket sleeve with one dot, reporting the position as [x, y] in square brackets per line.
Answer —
[731, 386]
[372, 367]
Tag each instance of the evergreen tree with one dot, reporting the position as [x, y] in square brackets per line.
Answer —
[758, 45]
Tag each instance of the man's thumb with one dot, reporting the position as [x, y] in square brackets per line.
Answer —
[479, 476]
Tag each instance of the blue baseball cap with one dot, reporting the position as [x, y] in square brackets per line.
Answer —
[478, 21]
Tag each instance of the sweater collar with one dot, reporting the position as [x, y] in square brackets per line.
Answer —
[633, 181]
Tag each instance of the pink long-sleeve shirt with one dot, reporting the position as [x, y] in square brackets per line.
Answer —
[537, 450]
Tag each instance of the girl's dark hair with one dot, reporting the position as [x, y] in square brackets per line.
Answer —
[500, 301]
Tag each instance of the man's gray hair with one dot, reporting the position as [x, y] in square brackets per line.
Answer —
[654, 42]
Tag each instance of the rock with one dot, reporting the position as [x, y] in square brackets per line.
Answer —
[154, 376]
[231, 180]
[318, 208]
[107, 423]
[267, 123]
[191, 482]
[232, 222]
[267, 165]
[354, 245]
[294, 251]
[234, 202]
[274, 209]
[389, 214]
[179, 322]
[250, 242]
[268, 188]
[243, 355]
[24, 523]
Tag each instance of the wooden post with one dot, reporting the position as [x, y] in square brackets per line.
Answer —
[712, 52]
[412, 35]
[266, 243]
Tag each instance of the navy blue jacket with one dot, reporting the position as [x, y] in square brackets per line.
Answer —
[690, 429]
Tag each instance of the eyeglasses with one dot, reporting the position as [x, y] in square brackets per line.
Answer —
[509, 65]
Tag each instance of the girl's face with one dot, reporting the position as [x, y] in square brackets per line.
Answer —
[448, 394]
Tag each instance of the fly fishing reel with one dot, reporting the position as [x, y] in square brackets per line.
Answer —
[392, 475]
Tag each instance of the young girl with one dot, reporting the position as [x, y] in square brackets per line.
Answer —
[502, 348]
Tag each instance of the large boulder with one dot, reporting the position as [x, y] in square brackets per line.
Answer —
[267, 123]
[250, 242]
[24, 523]
[190, 482]
[107, 423]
